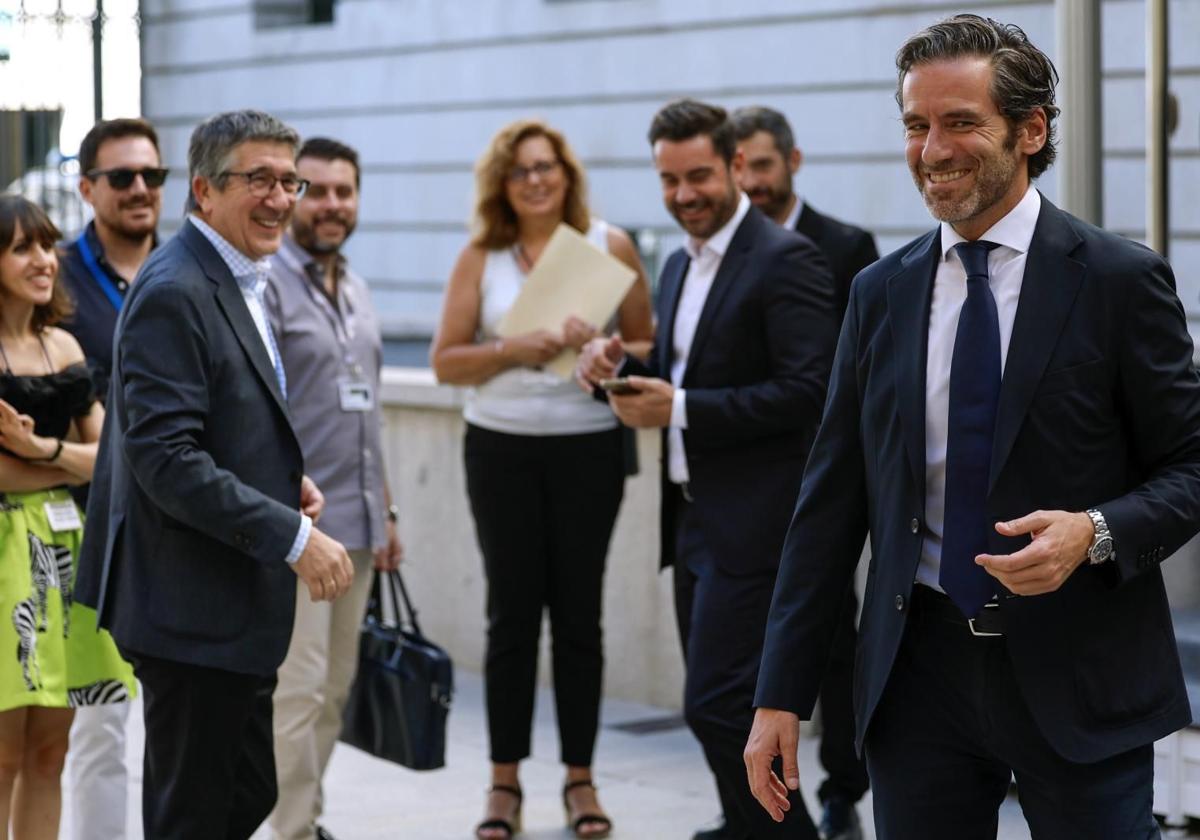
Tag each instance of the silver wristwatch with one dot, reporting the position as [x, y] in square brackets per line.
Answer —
[1101, 549]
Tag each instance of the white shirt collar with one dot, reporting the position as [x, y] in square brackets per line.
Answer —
[718, 243]
[240, 266]
[1014, 230]
[793, 215]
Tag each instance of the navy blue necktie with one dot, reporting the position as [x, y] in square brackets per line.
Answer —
[974, 395]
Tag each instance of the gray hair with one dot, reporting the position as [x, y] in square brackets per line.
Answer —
[751, 119]
[214, 140]
[1023, 78]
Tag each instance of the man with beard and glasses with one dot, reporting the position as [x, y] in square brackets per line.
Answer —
[332, 353]
[747, 324]
[772, 160]
[121, 178]
[1014, 417]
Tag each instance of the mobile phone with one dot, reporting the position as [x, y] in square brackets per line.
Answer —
[619, 386]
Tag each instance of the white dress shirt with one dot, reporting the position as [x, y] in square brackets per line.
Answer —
[702, 270]
[251, 277]
[793, 215]
[1006, 271]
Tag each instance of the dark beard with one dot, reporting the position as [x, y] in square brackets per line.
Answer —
[306, 238]
[133, 237]
[777, 200]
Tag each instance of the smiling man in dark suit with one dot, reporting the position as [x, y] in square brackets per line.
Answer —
[200, 516]
[1015, 417]
[772, 160]
[736, 379]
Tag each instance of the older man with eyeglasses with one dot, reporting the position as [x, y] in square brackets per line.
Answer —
[200, 517]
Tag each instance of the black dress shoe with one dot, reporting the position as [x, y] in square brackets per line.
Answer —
[322, 834]
[839, 820]
[719, 830]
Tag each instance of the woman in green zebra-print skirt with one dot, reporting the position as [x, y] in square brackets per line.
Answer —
[52, 655]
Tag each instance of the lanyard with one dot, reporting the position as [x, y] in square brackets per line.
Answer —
[102, 279]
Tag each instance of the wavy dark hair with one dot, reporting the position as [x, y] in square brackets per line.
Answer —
[683, 119]
[1023, 78]
[16, 210]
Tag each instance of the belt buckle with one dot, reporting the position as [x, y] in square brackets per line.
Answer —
[990, 605]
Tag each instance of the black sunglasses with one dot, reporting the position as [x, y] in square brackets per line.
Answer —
[122, 178]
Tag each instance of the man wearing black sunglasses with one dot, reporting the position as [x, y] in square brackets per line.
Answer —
[122, 178]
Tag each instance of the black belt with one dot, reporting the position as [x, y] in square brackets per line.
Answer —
[933, 604]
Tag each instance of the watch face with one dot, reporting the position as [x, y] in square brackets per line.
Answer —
[1102, 550]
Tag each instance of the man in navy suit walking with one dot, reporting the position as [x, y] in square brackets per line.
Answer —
[1014, 416]
[200, 517]
[747, 323]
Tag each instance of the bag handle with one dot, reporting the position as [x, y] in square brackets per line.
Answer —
[405, 612]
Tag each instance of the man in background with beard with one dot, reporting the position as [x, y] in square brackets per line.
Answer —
[332, 353]
[747, 324]
[772, 160]
[121, 177]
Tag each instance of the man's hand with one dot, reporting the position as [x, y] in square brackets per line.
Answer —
[388, 557]
[598, 360]
[325, 567]
[774, 735]
[650, 408]
[1059, 547]
[577, 332]
[312, 500]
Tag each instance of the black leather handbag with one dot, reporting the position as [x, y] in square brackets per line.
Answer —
[400, 699]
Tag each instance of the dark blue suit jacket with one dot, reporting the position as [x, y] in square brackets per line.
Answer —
[1099, 407]
[849, 249]
[755, 378]
[195, 496]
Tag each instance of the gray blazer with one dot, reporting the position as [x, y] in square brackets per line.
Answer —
[195, 497]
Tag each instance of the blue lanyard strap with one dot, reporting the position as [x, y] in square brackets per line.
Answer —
[101, 277]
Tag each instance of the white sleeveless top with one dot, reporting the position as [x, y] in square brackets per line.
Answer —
[521, 400]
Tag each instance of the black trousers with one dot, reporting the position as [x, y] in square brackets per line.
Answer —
[209, 764]
[846, 770]
[722, 620]
[952, 727]
[544, 509]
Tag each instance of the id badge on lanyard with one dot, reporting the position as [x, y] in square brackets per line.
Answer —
[354, 392]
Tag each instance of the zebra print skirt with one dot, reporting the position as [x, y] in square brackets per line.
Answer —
[51, 652]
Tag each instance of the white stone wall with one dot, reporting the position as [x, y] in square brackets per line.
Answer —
[419, 86]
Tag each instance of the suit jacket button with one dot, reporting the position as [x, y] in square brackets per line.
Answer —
[900, 603]
[914, 525]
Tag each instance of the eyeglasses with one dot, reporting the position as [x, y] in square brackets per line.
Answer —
[122, 177]
[261, 183]
[541, 169]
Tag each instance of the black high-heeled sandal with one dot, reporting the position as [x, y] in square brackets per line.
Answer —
[598, 821]
[512, 827]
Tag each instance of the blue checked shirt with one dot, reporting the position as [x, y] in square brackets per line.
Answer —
[251, 277]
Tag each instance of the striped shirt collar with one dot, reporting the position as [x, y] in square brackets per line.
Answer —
[249, 274]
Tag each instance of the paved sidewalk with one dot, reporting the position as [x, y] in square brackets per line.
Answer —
[655, 785]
